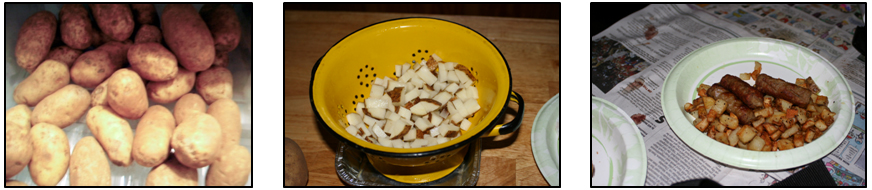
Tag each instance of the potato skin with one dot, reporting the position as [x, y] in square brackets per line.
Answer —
[113, 133]
[197, 141]
[148, 33]
[51, 150]
[152, 61]
[296, 172]
[75, 26]
[188, 105]
[92, 68]
[144, 14]
[64, 54]
[116, 20]
[227, 113]
[171, 90]
[63, 107]
[188, 36]
[224, 25]
[98, 96]
[19, 149]
[172, 173]
[126, 94]
[35, 39]
[215, 83]
[231, 168]
[50, 77]
[151, 144]
[88, 164]
[117, 51]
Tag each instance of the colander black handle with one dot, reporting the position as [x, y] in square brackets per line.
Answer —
[513, 125]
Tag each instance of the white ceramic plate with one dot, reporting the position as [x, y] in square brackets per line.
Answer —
[779, 59]
[617, 149]
[545, 140]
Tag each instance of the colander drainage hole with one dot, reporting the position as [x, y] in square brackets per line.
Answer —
[353, 102]
[361, 95]
[395, 73]
[366, 76]
[346, 111]
[413, 55]
[361, 69]
[366, 66]
[426, 51]
[361, 83]
[358, 76]
[372, 68]
[419, 51]
[422, 59]
[373, 75]
[367, 85]
[355, 96]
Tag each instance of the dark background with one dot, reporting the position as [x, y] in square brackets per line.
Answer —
[604, 15]
[519, 10]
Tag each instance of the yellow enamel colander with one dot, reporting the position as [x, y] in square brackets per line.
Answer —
[341, 78]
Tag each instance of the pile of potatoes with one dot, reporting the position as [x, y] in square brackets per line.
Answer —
[167, 58]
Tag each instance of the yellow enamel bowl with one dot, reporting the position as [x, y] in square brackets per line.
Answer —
[341, 78]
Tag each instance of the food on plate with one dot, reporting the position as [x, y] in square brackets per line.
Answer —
[48, 78]
[19, 149]
[296, 172]
[226, 112]
[144, 14]
[173, 89]
[115, 20]
[88, 164]
[151, 144]
[113, 133]
[126, 94]
[789, 115]
[63, 107]
[75, 26]
[427, 104]
[148, 33]
[224, 25]
[171, 173]
[152, 61]
[188, 37]
[215, 83]
[92, 68]
[35, 39]
[231, 168]
[197, 141]
[64, 54]
[51, 150]
[187, 106]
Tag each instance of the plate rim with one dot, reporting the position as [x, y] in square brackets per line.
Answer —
[683, 134]
[538, 126]
[637, 135]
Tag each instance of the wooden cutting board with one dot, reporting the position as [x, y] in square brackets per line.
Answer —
[531, 47]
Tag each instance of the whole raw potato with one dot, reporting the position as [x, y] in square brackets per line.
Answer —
[35, 39]
[113, 133]
[231, 168]
[98, 96]
[215, 83]
[148, 33]
[296, 172]
[64, 54]
[116, 20]
[144, 13]
[15, 183]
[75, 26]
[224, 25]
[88, 164]
[188, 105]
[92, 68]
[127, 94]
[197, 141]
[62, 108]
[152, 61]
[48, 78]
[172, 173]
[117, 50]
[19, 149]
[188, 36]
[51, 154]
[151, 145]
[227, 113]
[171, 90]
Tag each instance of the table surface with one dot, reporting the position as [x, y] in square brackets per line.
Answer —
[531, 47]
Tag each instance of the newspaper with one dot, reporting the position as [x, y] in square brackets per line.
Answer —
[630, 60]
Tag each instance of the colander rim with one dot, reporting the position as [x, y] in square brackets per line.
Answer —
[350, 143]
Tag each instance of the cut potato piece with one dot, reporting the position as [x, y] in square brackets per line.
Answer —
[379, 132]
[422, 124]
[353, 119]
[377, 91]
[426, 76]
[465, 124]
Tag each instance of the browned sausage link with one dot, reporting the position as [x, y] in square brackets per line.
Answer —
[784, 90]
[750, 96]
[734, 105]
